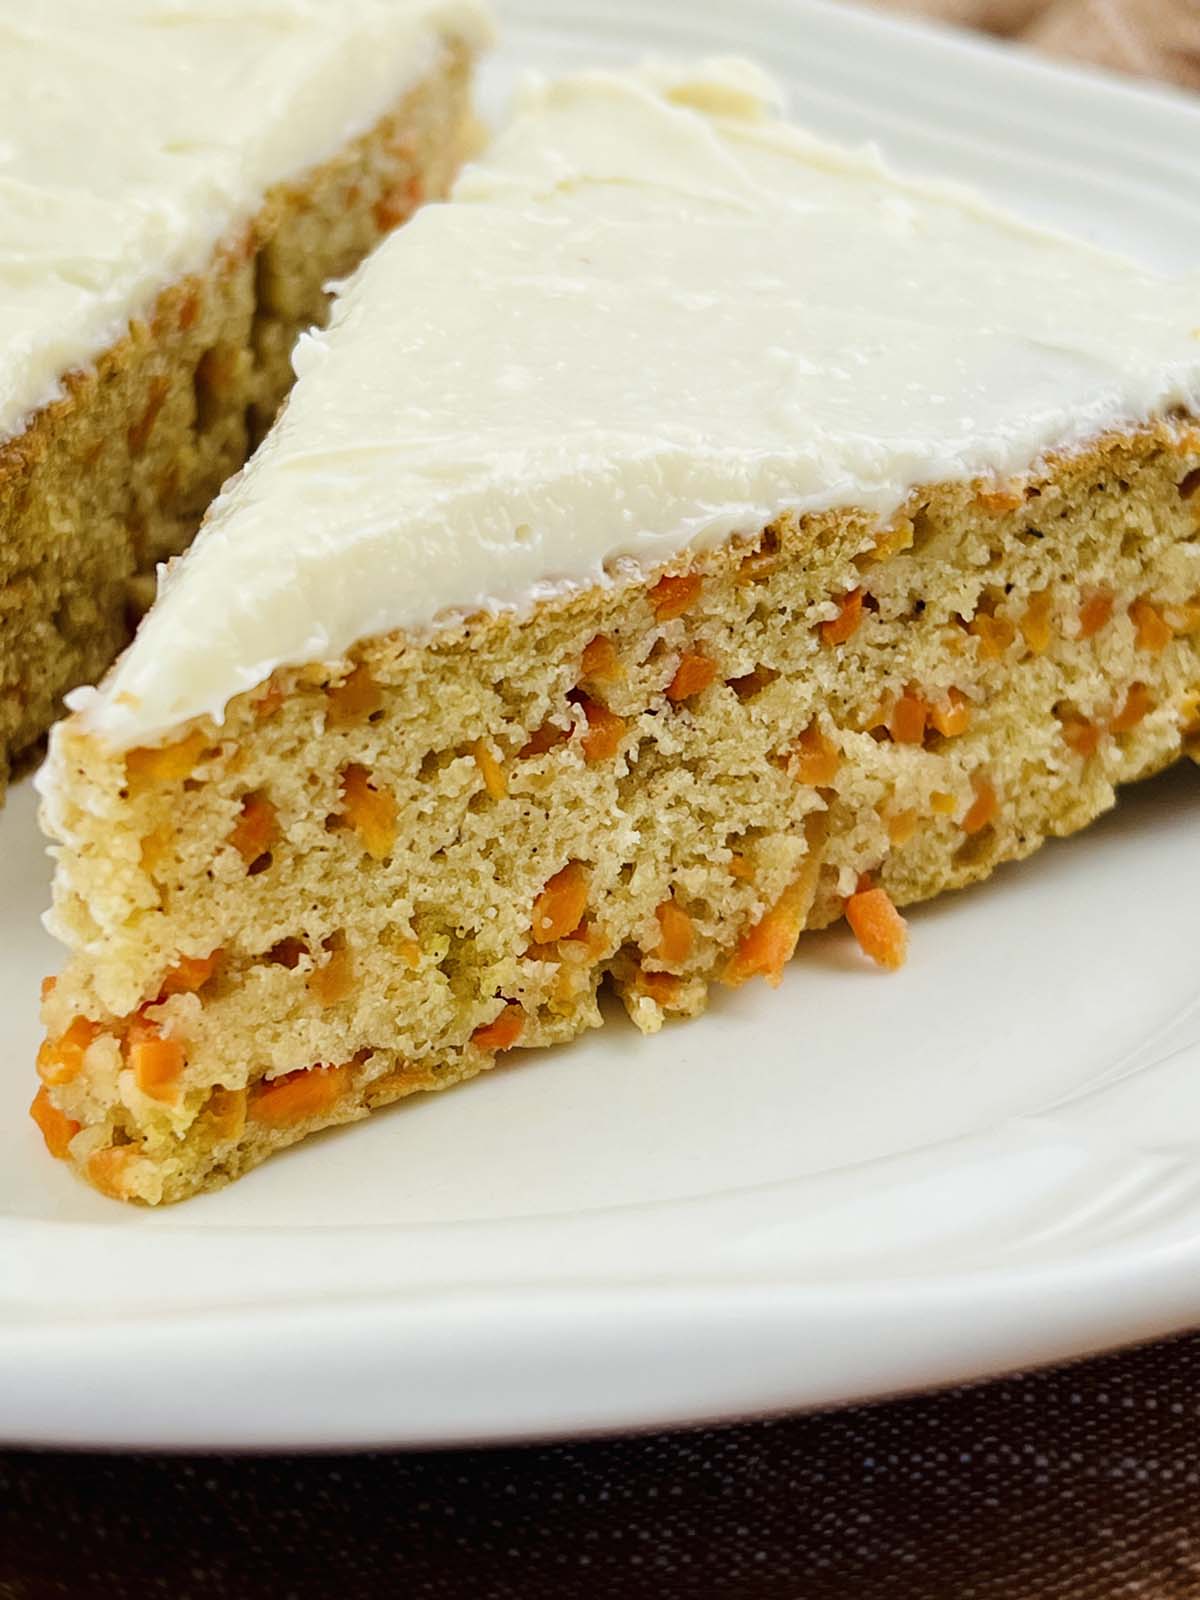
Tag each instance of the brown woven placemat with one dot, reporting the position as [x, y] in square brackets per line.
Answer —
[1078, 1484]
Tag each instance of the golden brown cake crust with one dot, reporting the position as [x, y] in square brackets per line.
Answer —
[115, 477]
[380, 874]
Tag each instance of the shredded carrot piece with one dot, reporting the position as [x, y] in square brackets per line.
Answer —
[1153, 631]
[490, 770]
[1036, 623]
[225, 1113]
[370, 810]
[676, 933]
[255, 830]
[662, 987]
[767, 947]
[995, 634]
[817, 758]
[332, 982]
[503, 1031]
[605, 730]
[1139, 703]
[982, 809]
[189, 974]
[1081, 736]
[741, 867]
[841, 627]
[942, 804]
[59, 1060]
[1094, 611]
[951, 716]
[543, 739]
[297, 1096]
[106, 1169]
[269, 701]
[881, 931]
[1184, 618]
[901, 825]
[601, 661]
[692, 676]
[558, 909]
[57, 1128]
[672, 596]
[355, 699]
[157, 1066]
[891, 541]
[409, 952]
[48, 987]
[169, 763]
[998, 500]
[909, 716]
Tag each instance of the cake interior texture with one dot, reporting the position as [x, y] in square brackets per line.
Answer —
[381, 874]
[115, 477]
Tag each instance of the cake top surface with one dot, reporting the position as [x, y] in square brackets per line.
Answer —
[134, 134]
[653, 316]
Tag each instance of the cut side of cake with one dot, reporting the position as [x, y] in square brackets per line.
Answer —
[178, 184]
[691, 535]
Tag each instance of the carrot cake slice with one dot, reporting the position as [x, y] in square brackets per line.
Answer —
[179, 179]
[690, 535]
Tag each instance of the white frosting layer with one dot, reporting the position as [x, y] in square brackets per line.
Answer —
[654, 315]
[135, 133]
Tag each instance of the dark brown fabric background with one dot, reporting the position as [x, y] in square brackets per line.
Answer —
[1077, 1484]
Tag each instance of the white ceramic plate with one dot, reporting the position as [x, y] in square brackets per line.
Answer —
[857, 1185]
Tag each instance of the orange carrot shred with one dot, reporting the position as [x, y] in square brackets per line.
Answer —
[817, 758]
[605, 730]
[1094, 611]
[297, 1096]
[951, 716]
[503, 1031]
[995, 634]
[662, 987]
[881, 931]
[1139, 703]
[255, 830]
[1036, 623]
[692, 676]
[982, 809]
[490, 770]
[767, 947]
[558, 909]
[909, 716]
[370, 810]
[601, 661]
[56, 1127]
[189, 974]
[1153, 632]
[157, 1066]
[840, 628]
[676, 933]
[672, 596]
[59, 1060]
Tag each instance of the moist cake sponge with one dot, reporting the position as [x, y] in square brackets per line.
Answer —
[397, 868]
[101, 485]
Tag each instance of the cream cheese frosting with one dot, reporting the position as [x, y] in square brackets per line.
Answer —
[652, 316]
[134, 134]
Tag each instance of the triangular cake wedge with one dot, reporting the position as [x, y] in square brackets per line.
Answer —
[179, 181]
[690, 535]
